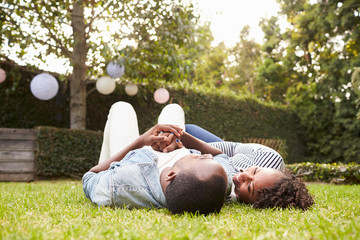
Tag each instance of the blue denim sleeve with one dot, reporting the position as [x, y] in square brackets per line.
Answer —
[223, 159]
[86, 182]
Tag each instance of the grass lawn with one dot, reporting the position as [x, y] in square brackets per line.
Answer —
[59, 210]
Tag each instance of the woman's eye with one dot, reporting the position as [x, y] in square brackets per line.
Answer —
[255, 171]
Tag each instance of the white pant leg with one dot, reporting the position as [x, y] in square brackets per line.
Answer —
[172, 114]
[121, 129]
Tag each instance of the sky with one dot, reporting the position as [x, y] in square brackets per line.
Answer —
[228, 17]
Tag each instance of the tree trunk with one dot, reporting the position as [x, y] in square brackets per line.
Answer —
[78, 77]
[251, 83]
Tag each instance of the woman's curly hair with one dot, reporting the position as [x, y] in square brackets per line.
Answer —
[290, 191]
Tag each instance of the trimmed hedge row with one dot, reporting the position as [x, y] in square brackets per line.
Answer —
[331, 173]
[71, 153]
[230, 117]
[66, 152]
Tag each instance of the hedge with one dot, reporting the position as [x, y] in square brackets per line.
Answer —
[66, 152]
[233, 118]
[331, 173]
[71, 153]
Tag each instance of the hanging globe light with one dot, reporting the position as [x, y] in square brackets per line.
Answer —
[131, 89]
[115, 70]
[2, 75]
[105, 85]
[161, 95]
[44, 86]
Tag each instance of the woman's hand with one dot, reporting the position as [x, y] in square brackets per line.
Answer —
[153, 136]
[169, 144]
[148, 138]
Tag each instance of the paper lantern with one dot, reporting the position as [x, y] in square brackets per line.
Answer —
[2, 75]
[115, 70]
[44, 86]
[105, 85]
[161, 95]
[131, 89]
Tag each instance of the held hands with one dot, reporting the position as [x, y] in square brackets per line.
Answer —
[153, 137]
[170, 143]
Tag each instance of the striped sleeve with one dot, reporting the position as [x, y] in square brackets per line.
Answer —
[226, 147]
[268, 160]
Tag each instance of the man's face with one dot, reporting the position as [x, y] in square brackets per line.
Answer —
[253, 179]
[204, 166]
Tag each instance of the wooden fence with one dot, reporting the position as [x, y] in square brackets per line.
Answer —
[275, 144]
[17, 154]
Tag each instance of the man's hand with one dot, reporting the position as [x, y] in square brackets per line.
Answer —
[153, 136]
[148, 138]
[169, 144]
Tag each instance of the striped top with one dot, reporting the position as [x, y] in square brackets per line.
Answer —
[245, 155]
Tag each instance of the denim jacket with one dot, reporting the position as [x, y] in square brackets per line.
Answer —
[134, 182]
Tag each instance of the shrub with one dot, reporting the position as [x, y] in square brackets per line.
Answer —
[330, 173]
[229, 116]
[71, 153]
[66, 153]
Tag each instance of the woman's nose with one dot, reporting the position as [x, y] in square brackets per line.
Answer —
[244, 176]
[206, 156]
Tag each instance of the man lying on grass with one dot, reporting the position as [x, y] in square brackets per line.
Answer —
[131, 174]
[258, 172]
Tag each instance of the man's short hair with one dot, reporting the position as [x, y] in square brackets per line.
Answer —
[186, 193]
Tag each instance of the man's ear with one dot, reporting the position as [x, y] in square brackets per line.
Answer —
[171, 175]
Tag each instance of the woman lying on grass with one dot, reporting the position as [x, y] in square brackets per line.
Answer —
[259, 175]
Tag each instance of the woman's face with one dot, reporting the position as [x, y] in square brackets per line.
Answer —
[252, 179]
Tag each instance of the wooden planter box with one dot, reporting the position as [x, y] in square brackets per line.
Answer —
[17, 154]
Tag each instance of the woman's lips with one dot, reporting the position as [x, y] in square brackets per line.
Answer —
[236, 180]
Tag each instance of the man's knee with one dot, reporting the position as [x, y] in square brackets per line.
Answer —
[121, 106]
[173, 107]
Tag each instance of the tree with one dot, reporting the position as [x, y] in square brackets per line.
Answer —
[275, 71]
[211, 66]
[87, 34]
[322, 50]
[246, 59]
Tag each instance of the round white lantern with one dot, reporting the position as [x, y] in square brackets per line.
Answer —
[105, 85]
[131, 89]
[115, 70]
[161, 95]
[2, 75]
[44, 86]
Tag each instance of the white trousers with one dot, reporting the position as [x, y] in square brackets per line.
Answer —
[121, 127]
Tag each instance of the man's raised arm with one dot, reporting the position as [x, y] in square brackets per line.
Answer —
[147, 139]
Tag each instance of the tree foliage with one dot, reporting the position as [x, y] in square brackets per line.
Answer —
[155, 39]
[274, 74]
[210, 66]
[322, 50]
[246, 57]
